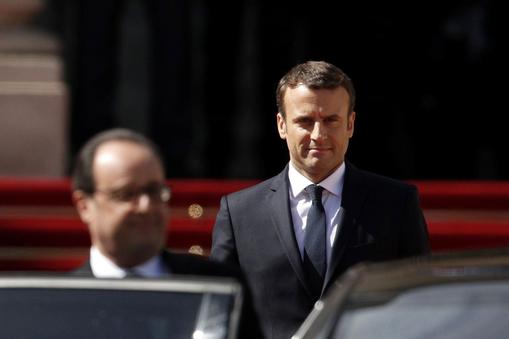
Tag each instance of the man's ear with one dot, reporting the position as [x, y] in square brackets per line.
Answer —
[351, 124]
[281, 126]
[82, 202]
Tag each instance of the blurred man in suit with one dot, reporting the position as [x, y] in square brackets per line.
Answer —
[120, 193]
[294, 234]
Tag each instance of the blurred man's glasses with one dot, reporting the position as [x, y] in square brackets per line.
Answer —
[156, 193]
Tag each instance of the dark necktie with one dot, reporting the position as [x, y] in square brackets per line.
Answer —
[315, 258]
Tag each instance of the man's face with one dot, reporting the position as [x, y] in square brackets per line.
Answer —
[128, 226]
[317, 129]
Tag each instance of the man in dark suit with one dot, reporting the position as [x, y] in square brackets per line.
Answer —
[120, 192]
[294, 234]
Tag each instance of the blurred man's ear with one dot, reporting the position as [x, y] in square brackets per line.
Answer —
[281, 126]
[82, 202]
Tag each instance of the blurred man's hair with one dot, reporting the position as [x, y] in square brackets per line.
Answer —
[83, 176]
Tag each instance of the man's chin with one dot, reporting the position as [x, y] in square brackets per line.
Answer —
[142, 253]
[147, 239]
[320, 169]
[316, 165]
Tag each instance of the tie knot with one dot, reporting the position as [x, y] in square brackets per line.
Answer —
[315, 192]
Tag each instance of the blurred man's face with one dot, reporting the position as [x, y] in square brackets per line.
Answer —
[317, 129]
[127, 214]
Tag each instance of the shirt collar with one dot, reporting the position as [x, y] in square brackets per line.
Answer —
[103, 267]
[152, 268]
[333, 183]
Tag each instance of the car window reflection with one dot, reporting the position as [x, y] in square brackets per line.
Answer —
[460, 310]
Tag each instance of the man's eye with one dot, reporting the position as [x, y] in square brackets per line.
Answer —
[124, 195]
[304, 121]
[153, 191]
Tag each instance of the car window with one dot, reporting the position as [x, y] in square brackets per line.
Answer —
[76, 313]
[460, 310]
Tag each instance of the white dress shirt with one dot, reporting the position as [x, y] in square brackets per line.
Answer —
[103, 267]
[300, 203]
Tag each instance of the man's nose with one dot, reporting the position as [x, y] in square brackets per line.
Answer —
[143, 202]
[318, 131]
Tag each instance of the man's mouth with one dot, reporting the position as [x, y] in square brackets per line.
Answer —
[319, 149]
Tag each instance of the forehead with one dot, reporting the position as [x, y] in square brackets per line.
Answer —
[302, 98]
[122, 162]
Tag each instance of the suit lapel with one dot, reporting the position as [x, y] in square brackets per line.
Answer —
[354, 194]
[279, 205]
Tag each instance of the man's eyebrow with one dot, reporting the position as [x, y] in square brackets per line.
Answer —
[302, 117]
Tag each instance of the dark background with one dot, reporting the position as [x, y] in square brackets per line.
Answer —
[431, 79]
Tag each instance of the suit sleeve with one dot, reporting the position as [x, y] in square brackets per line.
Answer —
[223, 238]
[224, 249]
[414, 231]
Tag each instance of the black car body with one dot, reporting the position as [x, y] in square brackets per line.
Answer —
[457, 295]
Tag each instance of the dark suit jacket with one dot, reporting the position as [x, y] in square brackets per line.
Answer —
[189, 264]
[185, 264]
[382, 221]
